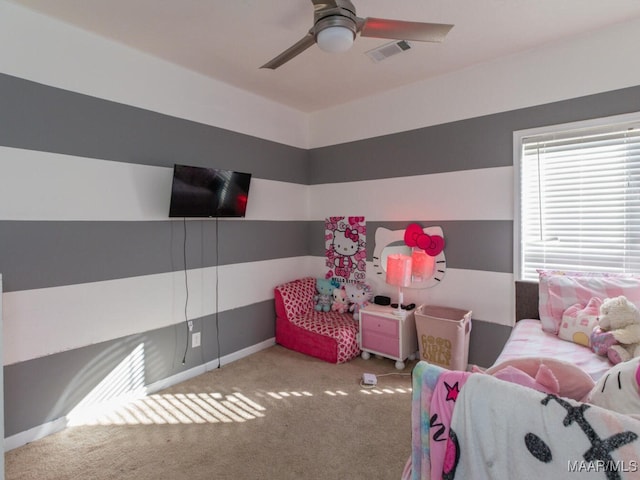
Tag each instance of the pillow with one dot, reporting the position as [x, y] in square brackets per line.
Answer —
[578, 322]
[574, 382]
[559, 290]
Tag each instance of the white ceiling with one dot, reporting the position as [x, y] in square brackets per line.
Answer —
[230, 39]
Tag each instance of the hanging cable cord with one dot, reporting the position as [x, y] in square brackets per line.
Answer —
[186, 287]
[217, 269]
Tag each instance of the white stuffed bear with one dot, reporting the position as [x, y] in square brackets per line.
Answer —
[622, 318]
[619, 389]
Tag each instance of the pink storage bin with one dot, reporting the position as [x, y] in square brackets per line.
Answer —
[443, 335]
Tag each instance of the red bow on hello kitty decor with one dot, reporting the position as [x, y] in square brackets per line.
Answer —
[414, 236]
[352, 234]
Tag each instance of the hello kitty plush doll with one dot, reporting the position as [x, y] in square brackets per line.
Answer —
[340, 303]
[359, 295]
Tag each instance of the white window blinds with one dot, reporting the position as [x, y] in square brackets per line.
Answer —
[580, 200]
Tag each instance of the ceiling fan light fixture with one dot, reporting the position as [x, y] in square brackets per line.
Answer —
[335, 33]
[335, 39]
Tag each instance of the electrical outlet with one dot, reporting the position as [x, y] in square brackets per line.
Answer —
[195, 340]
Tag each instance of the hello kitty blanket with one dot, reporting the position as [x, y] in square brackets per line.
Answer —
[500, 430]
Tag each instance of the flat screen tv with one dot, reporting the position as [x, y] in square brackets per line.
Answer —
[208, 192]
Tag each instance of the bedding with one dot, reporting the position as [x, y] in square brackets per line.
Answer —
[474, 425]
[499, 430]
[518, 432]
[558, 290]
[528, 339]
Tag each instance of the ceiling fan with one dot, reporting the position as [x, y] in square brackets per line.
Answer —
[335, 26]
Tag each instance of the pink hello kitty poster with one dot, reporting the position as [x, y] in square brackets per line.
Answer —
[345, 242]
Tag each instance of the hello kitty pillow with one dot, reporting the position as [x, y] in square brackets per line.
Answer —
[578, 322]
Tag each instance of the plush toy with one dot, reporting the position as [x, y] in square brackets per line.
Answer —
[358, 295]
[324, 298]
[544, 374]
[601, 343]
[619, 389]
[578, 322]
[621, 318]
[543, 381]
[340, 303]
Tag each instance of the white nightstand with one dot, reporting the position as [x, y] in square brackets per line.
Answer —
[386, 334]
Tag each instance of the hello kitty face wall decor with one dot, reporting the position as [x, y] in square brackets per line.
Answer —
[424, 245]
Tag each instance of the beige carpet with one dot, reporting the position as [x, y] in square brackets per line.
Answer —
[275, 414]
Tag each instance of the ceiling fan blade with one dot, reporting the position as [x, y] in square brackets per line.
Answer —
[291, 52]
[400, 30]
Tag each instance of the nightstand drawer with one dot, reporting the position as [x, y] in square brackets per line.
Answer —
[382, 344]
[380, 325]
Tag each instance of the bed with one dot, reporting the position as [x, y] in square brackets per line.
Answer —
[528, 339]
[500, 429]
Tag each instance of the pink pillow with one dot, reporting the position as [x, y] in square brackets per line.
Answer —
[543, 381]
[560, 290]
[574, 382]
[578, 322]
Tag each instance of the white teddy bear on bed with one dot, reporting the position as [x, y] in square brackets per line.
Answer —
[619, 322]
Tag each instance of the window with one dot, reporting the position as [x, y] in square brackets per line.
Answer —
[578, 197]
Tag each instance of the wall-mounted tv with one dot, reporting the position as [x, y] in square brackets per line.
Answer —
[208, 192]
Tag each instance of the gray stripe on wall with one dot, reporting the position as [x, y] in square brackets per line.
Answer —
[38, 117]
[486, 341]
[485, 245]
[49, 254]
[45, 389]
[480, 142]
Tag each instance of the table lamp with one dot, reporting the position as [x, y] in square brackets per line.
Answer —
[399, 274]
[422, 265]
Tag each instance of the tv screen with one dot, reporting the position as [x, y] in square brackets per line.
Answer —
[208, 192]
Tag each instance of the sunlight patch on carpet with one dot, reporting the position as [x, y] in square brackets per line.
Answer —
[382, 391]
[174, 409]
[335, 393]
[281, 395]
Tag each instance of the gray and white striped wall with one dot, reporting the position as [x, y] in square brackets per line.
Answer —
[93, 268]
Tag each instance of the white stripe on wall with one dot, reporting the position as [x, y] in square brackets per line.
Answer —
[274, 200]
[50, 320]
[49, 186]
[483, 194]
[58, 54]
[489, 295]
[558, 71]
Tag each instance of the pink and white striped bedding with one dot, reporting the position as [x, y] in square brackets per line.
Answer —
[529, 340]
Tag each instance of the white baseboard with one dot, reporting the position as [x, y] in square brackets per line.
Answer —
[59, 424]
[213, 364]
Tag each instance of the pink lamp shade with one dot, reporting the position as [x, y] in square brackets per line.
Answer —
[399, 270]
[423, 265]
